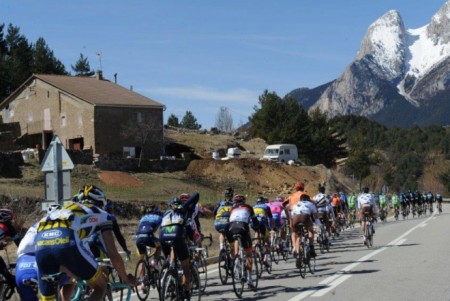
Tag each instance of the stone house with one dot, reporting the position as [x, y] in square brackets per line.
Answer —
[86, 113]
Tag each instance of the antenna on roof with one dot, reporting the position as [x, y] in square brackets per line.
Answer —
[99, 54]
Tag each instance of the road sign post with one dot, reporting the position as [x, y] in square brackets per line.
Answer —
[56, 166]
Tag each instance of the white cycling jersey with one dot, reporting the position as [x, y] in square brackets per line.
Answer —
[365, 199]
[304, 208]
[27, 243]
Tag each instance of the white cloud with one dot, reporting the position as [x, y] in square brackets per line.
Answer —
[206, 94]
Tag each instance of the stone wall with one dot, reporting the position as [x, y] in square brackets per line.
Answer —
[145, 165]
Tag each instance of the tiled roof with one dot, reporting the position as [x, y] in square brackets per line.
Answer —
[97, 92]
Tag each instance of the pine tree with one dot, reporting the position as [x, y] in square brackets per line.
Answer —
[173, 121]
[82, 67]
[190, 122]
[44, 60]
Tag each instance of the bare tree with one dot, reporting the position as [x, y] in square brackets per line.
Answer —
[224, 120]
[142, 133]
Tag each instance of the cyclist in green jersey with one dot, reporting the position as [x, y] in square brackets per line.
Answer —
[383, 205]
[394, 200]
[351, 201]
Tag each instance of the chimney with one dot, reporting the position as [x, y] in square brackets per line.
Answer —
[99, 74]
[115, 78]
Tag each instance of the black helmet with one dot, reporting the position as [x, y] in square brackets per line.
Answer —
[260, 200]
[305, 198]
[175, 203]
[152, 209]
[228, 193]
[366, 189]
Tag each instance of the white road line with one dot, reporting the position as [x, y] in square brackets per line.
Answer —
[340, 276]
[332, 286]
[401, 241]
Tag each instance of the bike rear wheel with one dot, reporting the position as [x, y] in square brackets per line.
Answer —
[223, 266]
[301, 261]
[196, 285]
[170, 290]
[202, 273]
[238, 276]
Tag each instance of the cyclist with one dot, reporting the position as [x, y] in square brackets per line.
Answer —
[95, 243]
[276, 208]
[60, 241]
[222, 217]
[173, 228]
[264, 215]
[145, 235]
[305, 212]
[439, 201]
[344, 204]
[365, 204]
[430, 200]
[383, 205]
[395, 203]
[193, 225]
[352, 204]
[26, 268]
[336, 203]
[323, 208]
[241, 216]
[7, 233]
[289, 204]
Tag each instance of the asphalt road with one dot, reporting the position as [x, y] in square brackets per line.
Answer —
[408, 262]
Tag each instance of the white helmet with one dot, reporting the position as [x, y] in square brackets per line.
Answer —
[92, 194]
[52, 208]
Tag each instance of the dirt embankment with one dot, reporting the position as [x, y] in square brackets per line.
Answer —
[261, 177]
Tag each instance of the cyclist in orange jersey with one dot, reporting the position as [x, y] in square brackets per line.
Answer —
[290, 203]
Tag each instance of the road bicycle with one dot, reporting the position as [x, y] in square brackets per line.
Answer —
[148, 279]
[199, 261]
[322, 238]
[369, 230]
[396, 213]
[352, 218]
[225, 263]
[239, 272]
[263, 255]
[172, 288]
[288, 241]
[7, 292]
[303, 260]
[276, 246]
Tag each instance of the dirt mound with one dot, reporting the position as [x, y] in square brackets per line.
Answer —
[258, 176]
[119, 179]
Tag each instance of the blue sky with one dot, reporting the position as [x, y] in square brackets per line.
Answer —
[201, 55]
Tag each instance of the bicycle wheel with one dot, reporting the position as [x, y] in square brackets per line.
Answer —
[202, 272]
[114, 277]
[259, 259]
[254, 273]
[368, 235]
[238, 276]
[196, 285]
[268, 263]
[277, 250]
[301, 261]
[142, 280]
[223, 266]
[169, 288]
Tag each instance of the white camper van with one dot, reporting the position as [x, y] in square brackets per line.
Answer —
[281, 153]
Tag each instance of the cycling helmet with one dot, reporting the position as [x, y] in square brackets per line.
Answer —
[299, 186]
[239, 198]
[366, 189]
[305, 198]
[260, 200]
[184, 197]
[176, 203]
[93, 195]
[279, 198]
[152, 209]
[6, 215]
[228, 193]
[53, 207]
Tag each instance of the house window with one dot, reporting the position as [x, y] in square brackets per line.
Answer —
[129, 152]
[27, 94]
[63, 121]
[80, 119]
[48, 94]
[30, 115]
[139, 117]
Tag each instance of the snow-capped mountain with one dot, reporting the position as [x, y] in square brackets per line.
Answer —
[395, 69]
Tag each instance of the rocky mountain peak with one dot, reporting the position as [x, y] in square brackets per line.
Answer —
[384, 44]
[439, 28]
